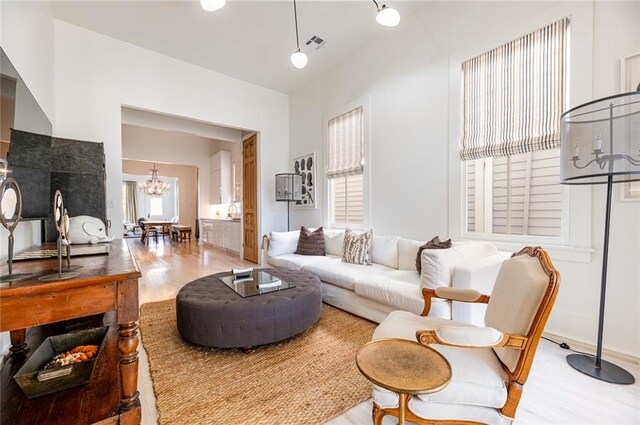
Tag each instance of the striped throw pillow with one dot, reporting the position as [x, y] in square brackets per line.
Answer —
[357, 248]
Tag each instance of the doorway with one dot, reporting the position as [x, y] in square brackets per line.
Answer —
[250, 198]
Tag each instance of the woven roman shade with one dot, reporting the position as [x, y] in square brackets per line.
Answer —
[514, 95]
[346, 148]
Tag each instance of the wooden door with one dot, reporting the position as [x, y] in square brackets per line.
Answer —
[250, 198]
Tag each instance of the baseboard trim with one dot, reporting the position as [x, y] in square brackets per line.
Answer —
[590, 348]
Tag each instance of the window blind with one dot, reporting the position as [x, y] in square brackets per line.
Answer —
[527, 199]
[346, 147]
[514, 95]
[348, 200]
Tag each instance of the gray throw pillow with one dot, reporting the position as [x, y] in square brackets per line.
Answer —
[357, 248]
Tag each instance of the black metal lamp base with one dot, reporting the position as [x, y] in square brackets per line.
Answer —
[607, 371]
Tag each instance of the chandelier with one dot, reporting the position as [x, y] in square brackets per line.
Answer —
[154, 186]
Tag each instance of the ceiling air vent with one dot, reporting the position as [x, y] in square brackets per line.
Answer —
[316, 42]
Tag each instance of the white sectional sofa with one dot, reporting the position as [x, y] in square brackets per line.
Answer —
[392, 282]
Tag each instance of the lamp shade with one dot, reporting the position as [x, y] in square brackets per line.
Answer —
[601, 139]
[288, 187]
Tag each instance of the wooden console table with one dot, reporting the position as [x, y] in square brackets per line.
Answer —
[107, 284]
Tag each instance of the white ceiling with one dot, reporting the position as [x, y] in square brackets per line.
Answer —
[248, 40]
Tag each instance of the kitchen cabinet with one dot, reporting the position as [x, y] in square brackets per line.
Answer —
[226, 234]
[221, 186]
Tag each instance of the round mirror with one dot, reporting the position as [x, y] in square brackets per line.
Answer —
[58, 211]
[9, 203]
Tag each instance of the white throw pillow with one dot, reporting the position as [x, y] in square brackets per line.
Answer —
[283, 243]
[333, 242]
[438, 264]
[407, 252]
[384, 250]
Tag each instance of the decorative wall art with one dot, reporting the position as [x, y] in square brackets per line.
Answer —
[305, 166]
[630, 81]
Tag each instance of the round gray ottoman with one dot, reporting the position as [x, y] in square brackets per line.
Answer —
[210, 313]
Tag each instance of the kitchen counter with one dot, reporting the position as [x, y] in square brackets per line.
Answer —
[223, 232]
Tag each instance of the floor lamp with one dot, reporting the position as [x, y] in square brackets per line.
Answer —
[600, 144]
[288, 189]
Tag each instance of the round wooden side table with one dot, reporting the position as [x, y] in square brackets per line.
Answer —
[404, 367]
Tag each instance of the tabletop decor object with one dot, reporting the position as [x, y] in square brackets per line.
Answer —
[600, 144]
[10, 216]
[288, 189]
[61, 219]
[404, 367]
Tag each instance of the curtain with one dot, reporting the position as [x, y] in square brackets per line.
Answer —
[346, 147]
[131, 202]
[514, 95]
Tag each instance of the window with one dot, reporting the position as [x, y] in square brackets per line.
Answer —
[346, 169]
[515, 195]
[347, 206]
[513, 97]
[155, 206]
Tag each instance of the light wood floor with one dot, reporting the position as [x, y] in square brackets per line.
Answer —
[554, 393]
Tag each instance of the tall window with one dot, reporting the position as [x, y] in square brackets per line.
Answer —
[346, 169]
[513, 98]
[155, 206]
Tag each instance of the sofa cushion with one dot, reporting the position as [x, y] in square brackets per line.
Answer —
[296, 261]
[357, 247]
[438, 264]
[333, 242]
[477, 376]
[434, 243]
[384, 250]
[341, 274]
[310, 243]
[282, 243]
[399, 289]
[407, 249]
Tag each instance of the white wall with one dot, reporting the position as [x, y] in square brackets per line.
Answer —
[415, 171]
[99, 74]
[171, 147]
[26, 36]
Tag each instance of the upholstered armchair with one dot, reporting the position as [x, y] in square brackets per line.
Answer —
[489, 364]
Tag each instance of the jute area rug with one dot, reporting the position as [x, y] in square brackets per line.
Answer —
[308, 379]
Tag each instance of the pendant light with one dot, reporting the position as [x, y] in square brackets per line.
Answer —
[153, 186]
[298, 58]
[387, 16]
[212, 5]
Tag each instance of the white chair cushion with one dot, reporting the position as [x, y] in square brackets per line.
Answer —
[477, 376]
[283, 243]
[443, 411]
[333, 242]
[398, 288]
[384, 250]
[296, 261]
[407, 252]
[516, 297]
[344, 275]
[438, 264]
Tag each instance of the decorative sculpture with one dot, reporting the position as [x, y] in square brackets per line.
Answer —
[10, 216]
[86, 229]
[61, 218]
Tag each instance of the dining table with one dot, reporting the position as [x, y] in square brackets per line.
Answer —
[166, 225]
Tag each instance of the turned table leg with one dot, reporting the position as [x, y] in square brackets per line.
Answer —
[18, 344]
[128, 353]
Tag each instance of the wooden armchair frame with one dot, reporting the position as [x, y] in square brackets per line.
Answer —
[526, 343]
